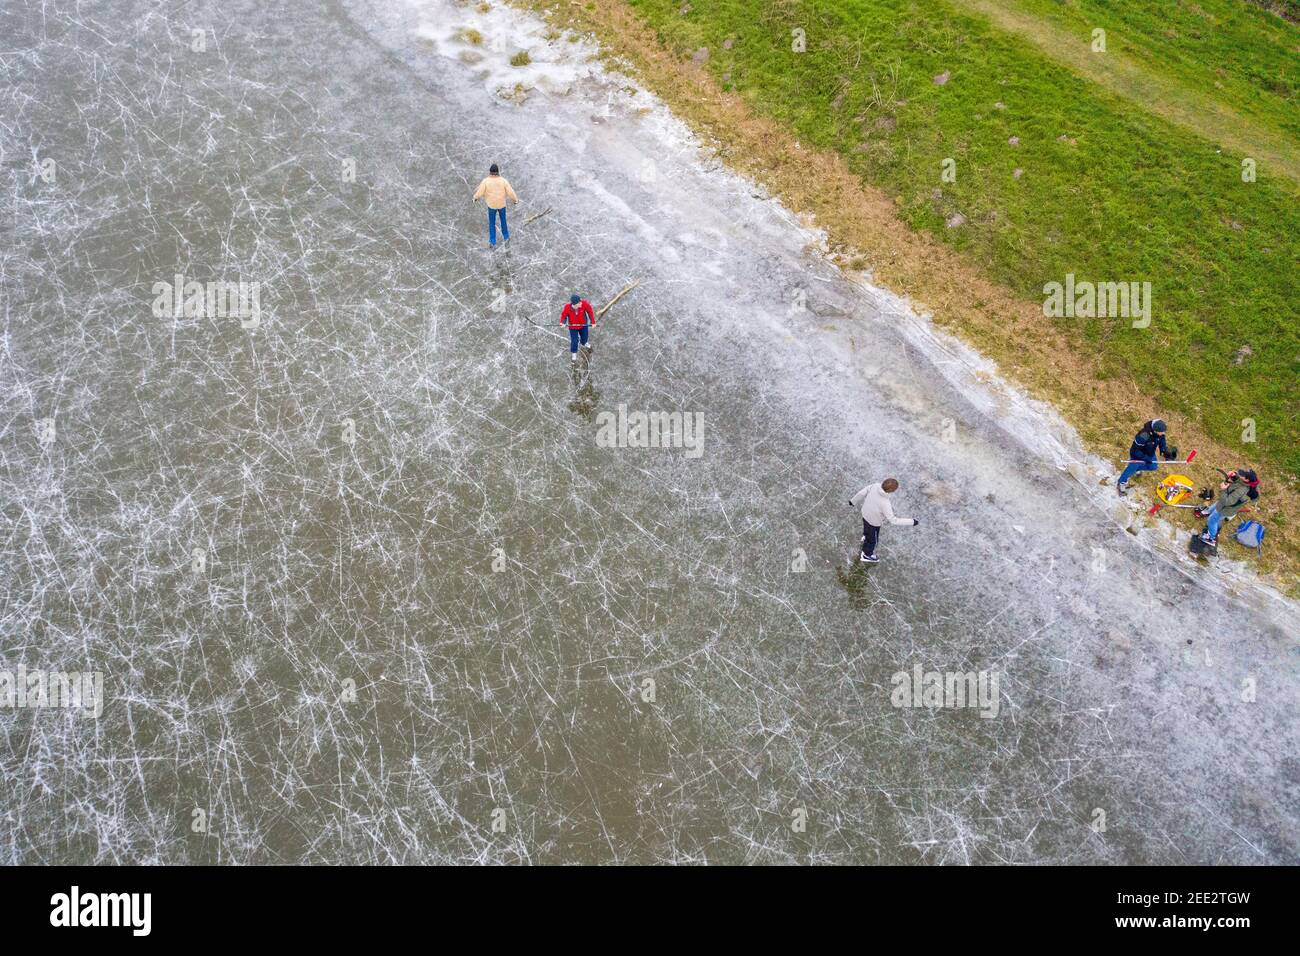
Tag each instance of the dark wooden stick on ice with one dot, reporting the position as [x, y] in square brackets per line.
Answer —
[624, 291]
[539, 215]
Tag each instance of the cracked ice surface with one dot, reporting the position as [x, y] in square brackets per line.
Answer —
[370, 560]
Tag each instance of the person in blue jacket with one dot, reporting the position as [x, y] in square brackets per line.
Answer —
[1143, 452]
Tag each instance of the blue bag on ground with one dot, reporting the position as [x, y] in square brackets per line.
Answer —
[1251, 534]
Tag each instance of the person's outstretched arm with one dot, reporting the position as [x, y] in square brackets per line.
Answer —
[893, 518]
[510, 191]
[482, 188]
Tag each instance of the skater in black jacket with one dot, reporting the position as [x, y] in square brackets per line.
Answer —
[1149, 440]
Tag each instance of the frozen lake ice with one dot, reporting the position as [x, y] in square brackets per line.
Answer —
[363, 584]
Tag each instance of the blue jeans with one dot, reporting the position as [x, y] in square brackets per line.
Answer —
[1214, 521]
[492, 225]
[1135, 467]
[576, 336]
[870, 536]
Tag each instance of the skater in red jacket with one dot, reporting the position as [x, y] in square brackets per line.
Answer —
[578, 316]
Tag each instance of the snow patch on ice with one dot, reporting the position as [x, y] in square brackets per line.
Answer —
[489, 39]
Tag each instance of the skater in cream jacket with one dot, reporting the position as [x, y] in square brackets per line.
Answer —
[877, 511]
[495, 190]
